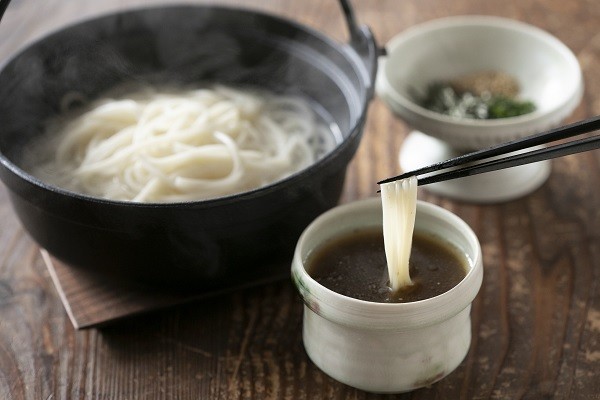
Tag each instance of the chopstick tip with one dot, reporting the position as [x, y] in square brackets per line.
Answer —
[396, 178]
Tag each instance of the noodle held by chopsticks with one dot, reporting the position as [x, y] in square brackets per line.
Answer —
[399, 207]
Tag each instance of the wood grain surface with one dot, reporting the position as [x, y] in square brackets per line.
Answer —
[536, 321]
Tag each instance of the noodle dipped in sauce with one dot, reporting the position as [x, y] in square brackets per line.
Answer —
[399, 207]
[354, 264]
[159, 145]
[392, 262]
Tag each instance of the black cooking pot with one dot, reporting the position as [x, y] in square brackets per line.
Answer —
[231, 240]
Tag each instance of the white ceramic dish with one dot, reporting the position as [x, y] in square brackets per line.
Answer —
[547, 71]
[385, 347]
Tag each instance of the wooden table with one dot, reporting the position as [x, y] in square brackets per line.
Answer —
[536, 321]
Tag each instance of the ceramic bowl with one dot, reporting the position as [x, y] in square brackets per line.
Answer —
[386, 347]
[548, 74]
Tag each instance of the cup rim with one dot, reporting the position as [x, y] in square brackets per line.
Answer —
[351, 311]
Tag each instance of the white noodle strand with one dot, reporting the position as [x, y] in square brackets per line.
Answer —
[399, 205]
[164, 146]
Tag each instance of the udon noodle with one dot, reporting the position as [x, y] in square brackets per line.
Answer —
[399, 205]
[179, 145]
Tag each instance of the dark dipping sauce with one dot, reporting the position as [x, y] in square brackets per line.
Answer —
[355, 265]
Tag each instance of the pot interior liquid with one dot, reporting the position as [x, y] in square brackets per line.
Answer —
[355, 265]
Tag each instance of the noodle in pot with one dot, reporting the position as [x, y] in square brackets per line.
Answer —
[169, 146]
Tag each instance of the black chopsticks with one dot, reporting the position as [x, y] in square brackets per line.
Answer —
[478, 158]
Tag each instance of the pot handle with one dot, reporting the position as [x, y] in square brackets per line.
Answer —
[363, 42]
[3, 7]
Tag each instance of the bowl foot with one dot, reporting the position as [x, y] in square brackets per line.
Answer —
[419, 150]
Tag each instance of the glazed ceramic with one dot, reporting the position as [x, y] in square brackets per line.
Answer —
[385, 347]
[547, 71]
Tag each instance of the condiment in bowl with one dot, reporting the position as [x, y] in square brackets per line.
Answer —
[538, 72]
[381, 346]
[447, 49]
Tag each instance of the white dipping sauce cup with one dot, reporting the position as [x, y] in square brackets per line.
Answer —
[386, 347]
